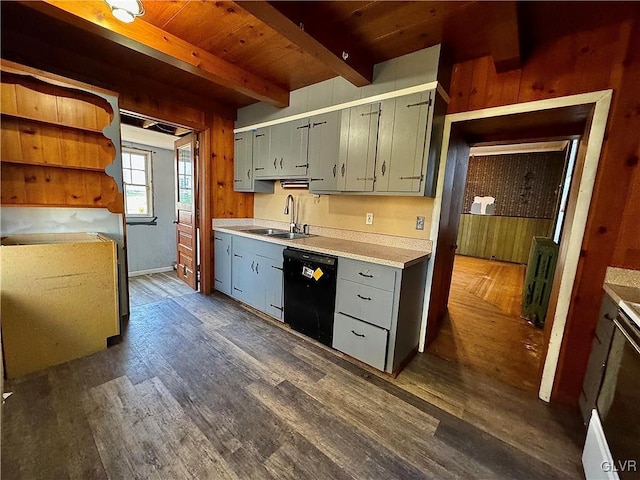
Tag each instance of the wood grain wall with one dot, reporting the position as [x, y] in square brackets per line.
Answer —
[597, 58]
[500, 238]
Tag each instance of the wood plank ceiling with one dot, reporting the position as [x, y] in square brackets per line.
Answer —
[237, 53]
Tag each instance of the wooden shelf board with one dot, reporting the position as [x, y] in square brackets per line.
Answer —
[55, 124]
[53, 165]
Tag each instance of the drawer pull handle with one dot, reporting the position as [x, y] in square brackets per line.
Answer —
[363, 298]
[316, 179]
[365, 275]
[237, 289]
[219, 281]
[357, 334]
[279, 308]
[236, 255]
[218, 238]
[259, 168]
[277, 268]
[304, 165]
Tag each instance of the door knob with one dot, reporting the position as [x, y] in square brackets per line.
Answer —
[454, 247]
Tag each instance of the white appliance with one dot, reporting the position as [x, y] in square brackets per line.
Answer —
[596, 458]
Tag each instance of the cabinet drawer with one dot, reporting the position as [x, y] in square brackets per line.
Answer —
[272, 251]
[365, 342]
[367, 273]
[370, 304]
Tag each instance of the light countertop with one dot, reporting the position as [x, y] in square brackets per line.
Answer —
[627, 297]
[366, 252]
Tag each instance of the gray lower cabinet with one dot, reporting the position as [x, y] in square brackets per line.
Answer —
[256, 272]
[378, 312]
[222, 262]
[598, 357]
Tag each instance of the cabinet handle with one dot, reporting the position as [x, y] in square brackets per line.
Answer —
[236, 255]
[236, 181]
[366, 179]
[259, 168]
[274, 306]
[369, 114]
[260, 135]
[342, 170]
[239, 139]
[384, 167]
[277, 268]
[365, 275]
[303, 126]
[428, 102]
[237, 289]
[316, 179]
[218, 238]
[274, 162]
[249, 174]
[219, 281]
[335, 167]
[281, 162]
[319, 123]
[363, 298]
[357, 334]
[257, 265]
[302, 166]
[416, 177]
[228, 248]
[252, 263]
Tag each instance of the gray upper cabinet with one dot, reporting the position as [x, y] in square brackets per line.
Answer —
[358, 138]
[243, 162]
[222, 260]
[403, 143]
[262, 165]
[288, 150]
[243, 167]
[324, 151]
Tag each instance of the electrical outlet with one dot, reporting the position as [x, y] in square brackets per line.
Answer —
[369, 219]
[419, 223]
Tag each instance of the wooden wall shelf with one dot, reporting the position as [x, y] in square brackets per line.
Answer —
[53, 165]
[29, 118]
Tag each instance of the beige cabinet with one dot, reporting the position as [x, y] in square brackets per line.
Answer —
[59, 298]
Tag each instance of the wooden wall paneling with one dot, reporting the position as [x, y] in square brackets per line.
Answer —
[613, 182]
[461, 78]
[627, 251]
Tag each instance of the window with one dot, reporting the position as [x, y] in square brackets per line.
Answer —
[185, 174]
[138, 189]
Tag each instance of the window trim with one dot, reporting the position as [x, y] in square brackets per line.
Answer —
[148, 165]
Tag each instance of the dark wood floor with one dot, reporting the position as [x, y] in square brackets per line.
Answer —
[144, 289]
[200, 387]
[484, 330]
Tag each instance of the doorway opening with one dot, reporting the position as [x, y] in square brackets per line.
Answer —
[582, 117]
[505, 256]
[160, 182]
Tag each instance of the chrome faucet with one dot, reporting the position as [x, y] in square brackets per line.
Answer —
[292, 224]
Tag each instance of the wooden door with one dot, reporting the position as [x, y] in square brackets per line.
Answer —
[454, 183]
[186, 150]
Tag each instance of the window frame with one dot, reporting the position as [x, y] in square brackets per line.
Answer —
[148, 169]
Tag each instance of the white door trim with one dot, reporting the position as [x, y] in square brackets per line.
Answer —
[601, 100]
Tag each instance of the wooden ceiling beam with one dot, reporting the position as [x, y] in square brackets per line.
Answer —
[328, 46]
[503, 34]
[154, 42]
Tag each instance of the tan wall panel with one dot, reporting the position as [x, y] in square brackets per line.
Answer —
[391, 215]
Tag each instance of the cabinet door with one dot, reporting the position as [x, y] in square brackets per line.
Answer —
[358, 163]
[272, 278]
[222, 255]
[243, 162]
[401, 143]
[241, 277]
[263, 166]
[257, 274]
[324, 148]
[291, 151]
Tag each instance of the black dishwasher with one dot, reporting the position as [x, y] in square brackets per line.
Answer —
[310, 293]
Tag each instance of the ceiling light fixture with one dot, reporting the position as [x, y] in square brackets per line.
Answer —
[126, 10]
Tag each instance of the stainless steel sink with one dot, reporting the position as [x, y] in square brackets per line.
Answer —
[290, 236]
[267, 231]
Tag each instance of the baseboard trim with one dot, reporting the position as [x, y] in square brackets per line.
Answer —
[151, 270]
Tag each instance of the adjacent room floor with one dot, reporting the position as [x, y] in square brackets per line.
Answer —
[484, 330]
[201, 387]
